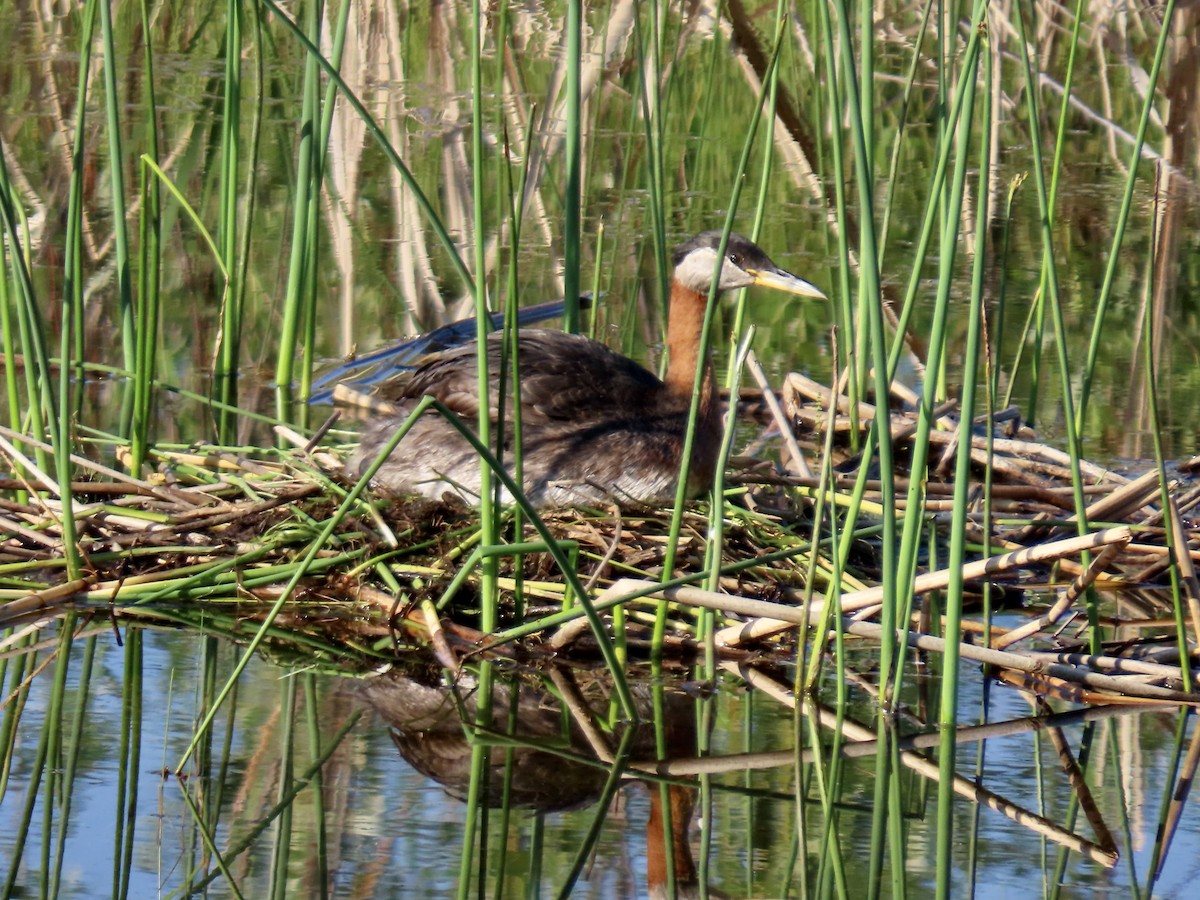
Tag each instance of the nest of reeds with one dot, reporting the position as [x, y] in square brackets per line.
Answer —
[266, 546]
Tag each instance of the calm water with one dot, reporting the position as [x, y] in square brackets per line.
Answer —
[392, 831]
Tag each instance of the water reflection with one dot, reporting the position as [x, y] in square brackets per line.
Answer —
[550, 754]
[1127, 769]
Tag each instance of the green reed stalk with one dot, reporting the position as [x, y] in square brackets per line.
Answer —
[872, 299]
[765, 180]
[844, 317]
[298, 297]
[572, 193]
[1064, 109]
[948, 713]
[149, 275]
[129, 752]
[477, 789]
[245, 841]
[715, 545]
[714, 552]
[12, 391]
[204, 233]
[898, 144]
[328, 107]
[597, 269]
[39, 378]
[282, 839]
[915, 522]
[689, 440]
[1177, 543]
[945, 41]
[225, 382]
[1066, 373]
[866, 81]
[997, 355]
[38, 383]
[830, 784]
[116, 174]
[249, 191]
[1037, 313]
[488, 507]
[513, 202]
[649, 48]
[410, 182]
[1114, 256]
[71, 340]
[809, 660]
[71, 754]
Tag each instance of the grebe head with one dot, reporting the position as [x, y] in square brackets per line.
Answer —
[745, 264]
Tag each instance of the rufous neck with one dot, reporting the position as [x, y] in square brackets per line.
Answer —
[684, 324]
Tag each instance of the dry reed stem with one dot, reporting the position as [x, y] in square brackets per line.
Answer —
[716, 764]
[1087, 802]
[437, 638]
[798, 385]
[1187, 571]
[929, 769]
[784, 617]
[1071, 692]
[581, 713]
[363, 404]
[797, 464]
[1066, 598]
[1183, 786]
[1130, 666]
[1131, 685]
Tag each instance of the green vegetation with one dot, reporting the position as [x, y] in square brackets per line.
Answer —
[200, 204]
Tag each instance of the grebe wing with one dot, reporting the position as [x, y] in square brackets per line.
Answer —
[388, 362]
[563, 377]
[571, 377]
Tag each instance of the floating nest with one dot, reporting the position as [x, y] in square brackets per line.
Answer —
[268, 546]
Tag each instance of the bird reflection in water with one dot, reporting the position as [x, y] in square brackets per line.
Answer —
[429, 725]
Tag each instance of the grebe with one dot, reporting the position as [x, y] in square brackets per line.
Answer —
[596, 426]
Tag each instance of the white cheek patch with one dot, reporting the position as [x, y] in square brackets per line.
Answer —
[695, 272]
